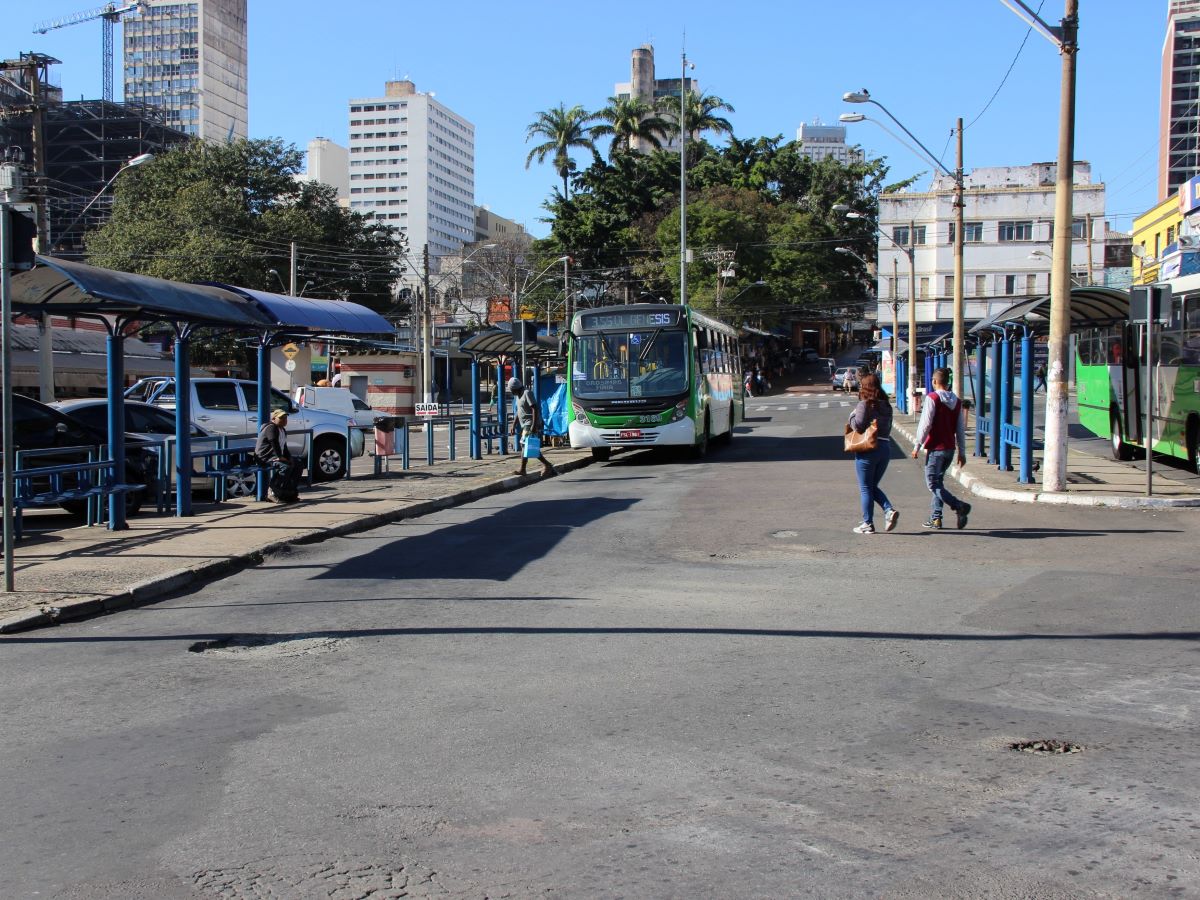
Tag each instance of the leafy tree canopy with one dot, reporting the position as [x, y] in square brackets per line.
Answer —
[229, 212]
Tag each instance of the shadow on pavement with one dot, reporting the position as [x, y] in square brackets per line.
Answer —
[490, 548]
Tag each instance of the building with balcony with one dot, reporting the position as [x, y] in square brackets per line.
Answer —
[190, 60]
[1008, 229]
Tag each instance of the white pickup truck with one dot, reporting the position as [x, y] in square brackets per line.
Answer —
[230, 406]
[336, 400]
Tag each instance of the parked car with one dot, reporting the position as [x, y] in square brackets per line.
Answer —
[846, 379]
[806, 355]
[152, 424]
[230, 406]
[37, 426]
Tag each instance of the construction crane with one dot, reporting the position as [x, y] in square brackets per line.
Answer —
[108, 16]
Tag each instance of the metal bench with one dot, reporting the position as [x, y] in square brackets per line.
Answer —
[91, 482]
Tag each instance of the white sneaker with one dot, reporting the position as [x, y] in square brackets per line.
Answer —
[864, 528]
[890, 518]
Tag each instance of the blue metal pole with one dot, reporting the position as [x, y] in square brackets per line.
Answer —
[981, 368]
[1026, 449]
[183, 427]
[930, 363]
[476, 411]
[116, 425]
[901, 394]
[1006, 401]
[405, 445]
[429, 442]
[994, 447]
[502, 409]
[264, 403]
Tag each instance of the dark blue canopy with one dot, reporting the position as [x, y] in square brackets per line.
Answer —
[65, 287]
[306, 314]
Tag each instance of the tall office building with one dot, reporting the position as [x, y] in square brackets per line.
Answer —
[818, 142]
[189, 59]
[650, 90]
[1179, 102]
[412, 164]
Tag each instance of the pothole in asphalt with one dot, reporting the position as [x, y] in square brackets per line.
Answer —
[1050, 747]
[784, 535]
[259, 646]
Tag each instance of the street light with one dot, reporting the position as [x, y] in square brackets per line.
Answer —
[911, 252]
[1065, 37]
[864, 96]
[136, 161]
[279, 278]
[752, 284]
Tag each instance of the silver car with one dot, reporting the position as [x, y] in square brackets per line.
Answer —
[846, 379]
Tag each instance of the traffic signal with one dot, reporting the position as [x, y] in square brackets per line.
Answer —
[21, 232]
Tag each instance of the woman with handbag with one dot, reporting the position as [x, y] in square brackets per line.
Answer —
[868, 437]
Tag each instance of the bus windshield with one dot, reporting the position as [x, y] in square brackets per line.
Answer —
[614, 365]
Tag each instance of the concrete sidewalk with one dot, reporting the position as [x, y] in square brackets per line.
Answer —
[75, 572]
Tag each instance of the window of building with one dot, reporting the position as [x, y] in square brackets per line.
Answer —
[980, 282]
[1010, 284]
[1016, 231]
[1170, 235]
[1031, 284]
[948, 284]
[924, 288]
[901, 236]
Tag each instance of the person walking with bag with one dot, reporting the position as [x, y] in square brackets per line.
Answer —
[942, 432]
[529, 421]
[869, 438]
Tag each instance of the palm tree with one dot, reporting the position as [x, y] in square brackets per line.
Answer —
[629, 120]
[701, 110]
[565, 130]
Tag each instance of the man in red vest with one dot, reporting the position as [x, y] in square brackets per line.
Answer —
[943, 433]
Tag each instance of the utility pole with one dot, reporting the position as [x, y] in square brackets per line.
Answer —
[683, 182]
[1054, 466]
[1091, 272]
[959, 329]
[294, 270]
[566, 295]
[45, 328]
[911, 387]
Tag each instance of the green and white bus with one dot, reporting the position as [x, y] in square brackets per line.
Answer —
[652, 375]
[1110, 379]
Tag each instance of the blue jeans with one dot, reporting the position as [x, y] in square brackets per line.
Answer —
[870, 467]
[936, 464]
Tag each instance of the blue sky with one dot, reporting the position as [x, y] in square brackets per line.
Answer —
[778, 63]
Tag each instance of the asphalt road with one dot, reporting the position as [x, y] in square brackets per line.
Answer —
[648, 678]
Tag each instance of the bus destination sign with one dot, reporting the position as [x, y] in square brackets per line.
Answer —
[635, 320]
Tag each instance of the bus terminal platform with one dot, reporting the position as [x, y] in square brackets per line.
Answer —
[64, 571]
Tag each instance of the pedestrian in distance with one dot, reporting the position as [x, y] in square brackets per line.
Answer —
[272, 450]
[942, 433]
[528, 422]
[1039, 378]
[873, 406]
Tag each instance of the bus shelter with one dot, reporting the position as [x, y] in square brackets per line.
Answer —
[125, 302]
[499, 346]
[1006, 340]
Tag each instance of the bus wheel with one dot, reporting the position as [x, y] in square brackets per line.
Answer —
[1120, 450]
[601, 454]
[700, 448]
[1193, 444]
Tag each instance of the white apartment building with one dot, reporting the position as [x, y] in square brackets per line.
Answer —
[328, 163]
[1008, 224]
[412, 165]
[819, 142]
[190, 60]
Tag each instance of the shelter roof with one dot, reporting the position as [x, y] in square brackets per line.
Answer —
[498, 342]
[1090, 307]
[309, 314]
[67, 287]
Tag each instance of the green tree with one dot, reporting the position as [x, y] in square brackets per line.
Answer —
[564, 130]
[627, 119]
[229, 212]
[700, 111]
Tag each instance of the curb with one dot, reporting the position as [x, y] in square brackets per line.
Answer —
[147, 590]
[979, 488]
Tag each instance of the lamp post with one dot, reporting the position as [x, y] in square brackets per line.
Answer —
[683, 260]
[911, 252]
[864, 96]
[752, 284]
[133, 163]
[1065, 37]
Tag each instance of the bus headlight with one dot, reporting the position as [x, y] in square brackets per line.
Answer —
[680, 411]
[580, 415]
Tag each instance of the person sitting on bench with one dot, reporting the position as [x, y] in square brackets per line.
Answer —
[272, 450]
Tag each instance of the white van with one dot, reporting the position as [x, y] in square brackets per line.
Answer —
[336, 400]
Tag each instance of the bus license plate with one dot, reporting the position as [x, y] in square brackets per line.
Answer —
[631, 433]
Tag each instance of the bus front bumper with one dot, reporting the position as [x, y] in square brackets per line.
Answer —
[673, 434]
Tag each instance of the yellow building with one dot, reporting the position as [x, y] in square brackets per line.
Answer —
[1153, 231]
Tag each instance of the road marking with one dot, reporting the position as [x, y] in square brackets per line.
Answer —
[782, 407]
[824, 405]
